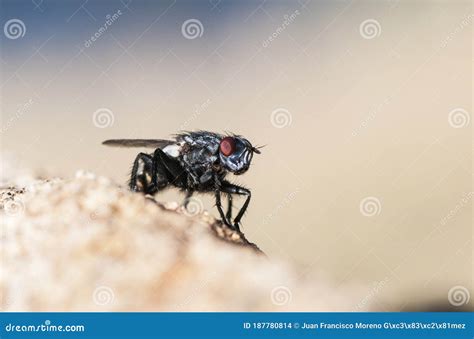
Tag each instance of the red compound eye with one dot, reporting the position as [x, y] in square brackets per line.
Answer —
[227, 146]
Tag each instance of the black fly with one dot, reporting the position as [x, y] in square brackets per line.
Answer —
[194, 162]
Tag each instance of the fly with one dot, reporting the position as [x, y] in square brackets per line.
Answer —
[193, 162]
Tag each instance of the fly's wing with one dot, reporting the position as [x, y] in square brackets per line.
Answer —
[148, 143]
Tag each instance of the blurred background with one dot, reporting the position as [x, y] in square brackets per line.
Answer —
[364, 107]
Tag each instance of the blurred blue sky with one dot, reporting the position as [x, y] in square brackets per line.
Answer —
[142, 23]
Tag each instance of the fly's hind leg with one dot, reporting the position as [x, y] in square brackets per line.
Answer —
[141, 179]
[167, 170]
[152, 173]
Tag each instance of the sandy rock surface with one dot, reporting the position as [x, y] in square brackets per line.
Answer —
[88, 244]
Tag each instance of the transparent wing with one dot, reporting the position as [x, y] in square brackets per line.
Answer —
[149, 143]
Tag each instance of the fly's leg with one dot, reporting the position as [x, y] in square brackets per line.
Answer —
[167, 170]
[217, 193]
[187, 198]
[229, 188]
[151, 173]
[160, 174]
[141, 179]
[228, 215]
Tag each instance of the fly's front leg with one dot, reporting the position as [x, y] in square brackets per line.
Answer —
[217, 193]
[228, 215]
[229, 188]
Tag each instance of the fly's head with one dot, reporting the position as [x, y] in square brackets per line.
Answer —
[236, 153]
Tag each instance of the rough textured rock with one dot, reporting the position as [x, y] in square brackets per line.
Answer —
[87, 244]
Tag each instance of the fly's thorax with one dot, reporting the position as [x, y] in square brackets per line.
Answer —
[173, 150]
[206, 150]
